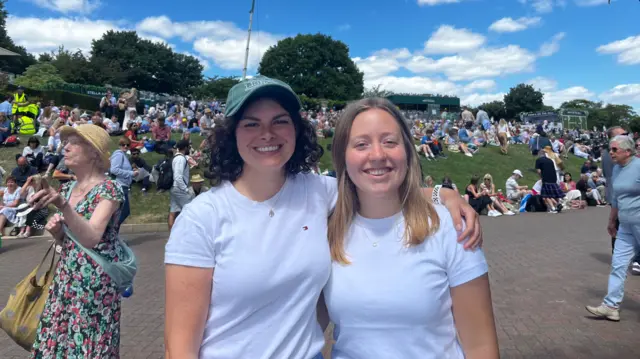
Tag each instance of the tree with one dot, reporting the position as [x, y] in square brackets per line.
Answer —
[376, 91]
[45, 57]
[314, 65]
[495, 109]
[522, 98]
[129, 61]
[216, 87]
[12, 64]
[39, 76]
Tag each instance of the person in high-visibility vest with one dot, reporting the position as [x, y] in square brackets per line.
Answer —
[20, 102]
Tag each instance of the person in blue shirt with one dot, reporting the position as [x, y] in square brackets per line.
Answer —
[5, 127]
[625, 208]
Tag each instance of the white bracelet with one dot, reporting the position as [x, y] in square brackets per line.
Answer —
[435, 195]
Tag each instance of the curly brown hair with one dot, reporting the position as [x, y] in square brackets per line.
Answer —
[227, 164]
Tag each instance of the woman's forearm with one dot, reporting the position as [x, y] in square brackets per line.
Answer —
[82, 229]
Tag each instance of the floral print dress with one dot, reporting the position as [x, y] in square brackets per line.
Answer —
[81, 318]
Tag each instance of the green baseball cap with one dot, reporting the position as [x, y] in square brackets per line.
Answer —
[257, 87]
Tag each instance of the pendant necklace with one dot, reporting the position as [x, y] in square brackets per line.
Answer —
[373, 243]
[272, 209]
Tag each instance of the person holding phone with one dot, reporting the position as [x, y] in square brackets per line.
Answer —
[71, 326]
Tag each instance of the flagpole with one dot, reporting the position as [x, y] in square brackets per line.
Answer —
[246, 54]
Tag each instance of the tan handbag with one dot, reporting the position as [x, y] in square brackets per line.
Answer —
[21, 317]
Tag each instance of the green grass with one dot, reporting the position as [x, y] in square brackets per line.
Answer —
[154, 207]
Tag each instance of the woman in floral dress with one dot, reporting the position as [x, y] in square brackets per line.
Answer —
[81, 318]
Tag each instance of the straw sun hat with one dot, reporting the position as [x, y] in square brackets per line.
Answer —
[97, 137]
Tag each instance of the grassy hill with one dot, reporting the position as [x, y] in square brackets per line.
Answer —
[154, 207]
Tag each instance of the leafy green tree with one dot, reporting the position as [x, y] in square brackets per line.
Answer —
[522, 98]
[314, 65]
[129, 61]
[39, 76]
[376, 91]
[45, 57]
[495, 109]
[12, 64]
[216, 87]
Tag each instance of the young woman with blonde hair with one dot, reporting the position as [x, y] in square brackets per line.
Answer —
[503, 135]
[400, 287]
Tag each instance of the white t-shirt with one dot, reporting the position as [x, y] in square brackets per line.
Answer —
[512, 187]
[393, 301]
[269, 271]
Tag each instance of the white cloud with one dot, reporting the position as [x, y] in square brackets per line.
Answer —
[486, 62]
[545, 6]
[205, 64]
[556, 98]
[69, 6]
[44, 35]
[628, 50]
[478, 99]
[413, 84]
[626, 94]
[344, 27]
[552, 46]
[449, 40]
[436, 2]
[376, 66]
[507, 24]
[543, 84]
[381, 62]
[480, 85]
[221, 41]
[591, 2]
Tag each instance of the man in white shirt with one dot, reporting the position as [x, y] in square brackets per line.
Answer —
[515, 192]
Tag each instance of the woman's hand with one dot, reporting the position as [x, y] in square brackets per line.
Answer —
[54, 226]
[611, 228]
[46, 196]
[460, 209]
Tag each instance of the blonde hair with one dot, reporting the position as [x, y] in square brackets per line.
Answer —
[502, 122]
[420, 217]
[489, 177]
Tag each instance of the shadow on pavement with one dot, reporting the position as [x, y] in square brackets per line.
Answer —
[138, 240]
[601, 257]
[17, 244]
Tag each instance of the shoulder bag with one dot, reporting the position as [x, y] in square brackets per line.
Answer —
[21, 317]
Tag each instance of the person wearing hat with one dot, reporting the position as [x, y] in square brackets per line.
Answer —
[253, 289]
[197, 186]
[515, 192]
[90, 209]
[20, 103]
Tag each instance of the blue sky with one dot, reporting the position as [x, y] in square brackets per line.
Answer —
[476, 49]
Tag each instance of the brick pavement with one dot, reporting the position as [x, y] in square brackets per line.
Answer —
[544, 269]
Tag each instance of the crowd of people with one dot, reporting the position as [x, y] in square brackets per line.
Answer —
[347, 247]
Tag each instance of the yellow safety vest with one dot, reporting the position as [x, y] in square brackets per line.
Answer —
[27, 126]
[16, 100]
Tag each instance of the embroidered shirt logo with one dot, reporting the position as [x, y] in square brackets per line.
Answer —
[305, 228]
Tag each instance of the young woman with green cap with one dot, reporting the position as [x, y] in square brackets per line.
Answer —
[246, 262]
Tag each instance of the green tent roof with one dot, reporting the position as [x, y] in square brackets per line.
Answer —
[423, 100]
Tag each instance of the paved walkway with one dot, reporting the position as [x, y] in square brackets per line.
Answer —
[544, 269]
